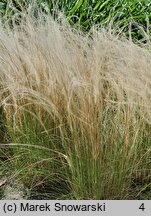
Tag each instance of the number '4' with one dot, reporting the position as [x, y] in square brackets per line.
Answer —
[142, 207]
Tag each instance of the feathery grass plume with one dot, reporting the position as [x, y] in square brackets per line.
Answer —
[77, 108]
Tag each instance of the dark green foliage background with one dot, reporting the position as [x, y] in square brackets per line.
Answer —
[88, 13]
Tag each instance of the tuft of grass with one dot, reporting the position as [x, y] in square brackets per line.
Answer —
[77, 109]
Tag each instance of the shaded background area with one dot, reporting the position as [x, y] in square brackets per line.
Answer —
[133, 15]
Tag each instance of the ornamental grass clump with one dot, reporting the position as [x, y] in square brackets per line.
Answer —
[77, 109]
